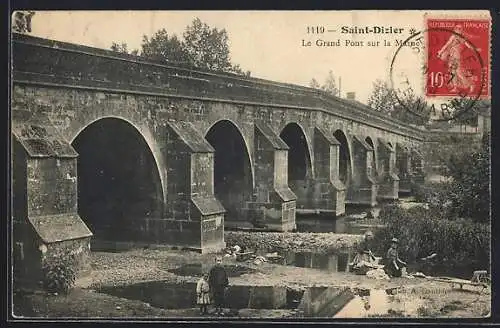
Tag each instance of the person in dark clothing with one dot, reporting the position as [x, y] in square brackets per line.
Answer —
[218, 283]
[393, 264]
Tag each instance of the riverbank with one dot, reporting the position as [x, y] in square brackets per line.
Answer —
[141, 265]
[329, 243]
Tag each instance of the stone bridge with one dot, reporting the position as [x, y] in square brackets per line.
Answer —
[135, 150]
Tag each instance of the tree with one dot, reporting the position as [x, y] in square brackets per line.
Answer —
[411, 108]
[122, 48]
[201, 46]
[238, 70]
[330, 86]
[382, 98]
[406, 106]
[208, 47]
[314, 84]
[21, 22]
[470, 187]
[467, 110]
[161, 46]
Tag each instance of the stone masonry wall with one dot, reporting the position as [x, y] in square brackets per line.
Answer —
[75, 86]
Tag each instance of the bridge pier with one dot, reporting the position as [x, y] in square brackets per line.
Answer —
[193, 217]
[44, 219]
[363, 188]
[321, 192]
[417, 165]
[388, 180]
[403, 169]
[327, 193]
[273, 204]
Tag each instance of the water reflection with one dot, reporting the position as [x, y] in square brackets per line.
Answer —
[329, 262]
[356, 220]
[319, 301]
[381, 303]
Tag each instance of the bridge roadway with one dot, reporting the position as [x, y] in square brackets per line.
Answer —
[160, 153]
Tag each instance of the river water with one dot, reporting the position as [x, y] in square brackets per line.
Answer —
[381, 303]
[356, 219]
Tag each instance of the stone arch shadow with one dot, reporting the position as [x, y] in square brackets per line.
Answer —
[147, 136]
[403, 167]
[345, 138]
[373, 142]
[309, 155]
[233, 172]
[110, 186]
[300, 161]
[245, 141]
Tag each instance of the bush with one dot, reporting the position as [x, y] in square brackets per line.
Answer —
[461, 245]
[469, 192]
[430, 191]
[59, 272]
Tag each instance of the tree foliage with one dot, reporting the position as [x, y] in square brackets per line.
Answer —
[201, 46]
[454, 223]
[161, 46]
[207, 47]
[314, 84]
[59, 272]
[123, 48]
[329, 86]
[467, 193]
[462, 245]
[406, 106]
[382, 98]
[468, 110]
[470, 188]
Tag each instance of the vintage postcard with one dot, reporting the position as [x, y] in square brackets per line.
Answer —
[225, 165]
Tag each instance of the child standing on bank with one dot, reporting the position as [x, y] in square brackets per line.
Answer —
[218, 282]
[203, 293]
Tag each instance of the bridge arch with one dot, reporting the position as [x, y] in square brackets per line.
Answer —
[144, 131]
[246, 142]
[233, 177]
[403, 165]
[299, 155]
[345, 157]
[300, 170]
[119, 178]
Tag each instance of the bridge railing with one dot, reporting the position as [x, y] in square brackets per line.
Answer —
[37, 59]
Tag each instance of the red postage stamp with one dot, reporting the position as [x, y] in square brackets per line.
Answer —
[458, 58]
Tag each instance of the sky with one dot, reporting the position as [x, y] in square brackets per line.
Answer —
[269, 44]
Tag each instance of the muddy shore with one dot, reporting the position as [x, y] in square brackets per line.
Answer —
[134, 266]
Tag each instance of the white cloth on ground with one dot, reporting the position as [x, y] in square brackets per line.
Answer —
[378, 274]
